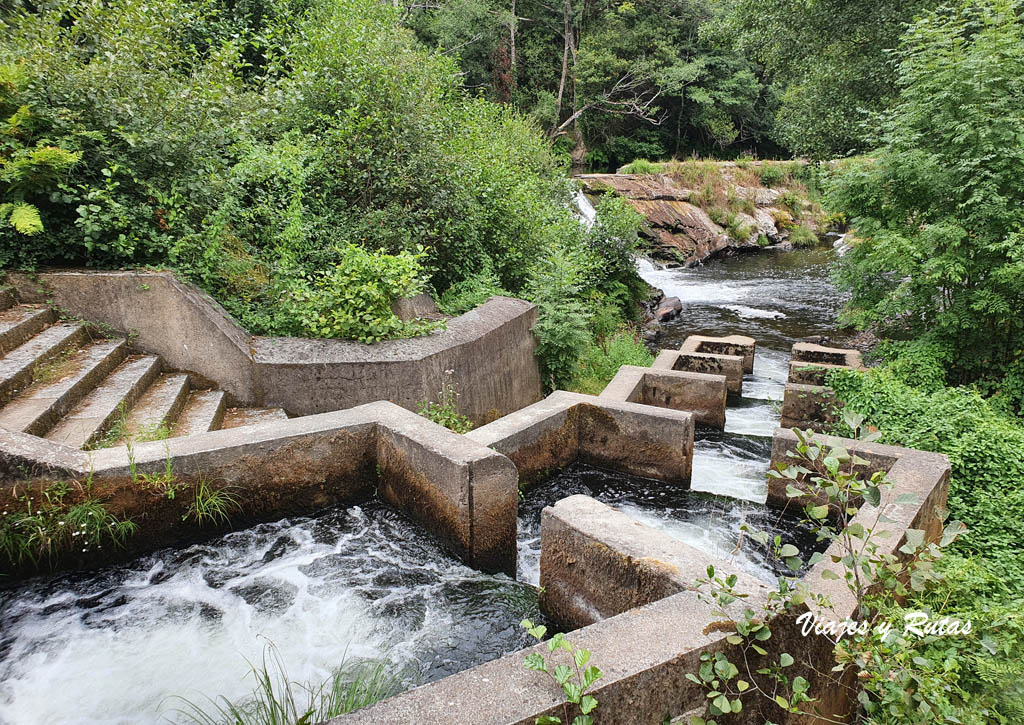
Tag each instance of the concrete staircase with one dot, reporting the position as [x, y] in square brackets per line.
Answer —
[61, 381]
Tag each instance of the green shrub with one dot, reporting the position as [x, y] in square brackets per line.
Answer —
[803, 236]
[256, 153]
[985, 448]
[353, 299]
[771, 174]
[642, 166]
[601, 361]
[470, 293]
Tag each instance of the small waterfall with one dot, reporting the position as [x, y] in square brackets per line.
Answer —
[586, 211]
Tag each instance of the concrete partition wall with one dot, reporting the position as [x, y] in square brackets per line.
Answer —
[564, 427]
[731, 366]
[490, 349]
[698, 393]
[461, 492]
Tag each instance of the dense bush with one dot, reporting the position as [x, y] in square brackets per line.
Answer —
[985, 448]
[304, 162]
[975, 678]
[939, 209]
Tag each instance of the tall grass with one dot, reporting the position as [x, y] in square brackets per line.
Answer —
[278, 700]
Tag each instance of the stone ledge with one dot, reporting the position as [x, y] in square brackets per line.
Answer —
[731, 366]
[740, 345]
[463, 493]
[597, 562]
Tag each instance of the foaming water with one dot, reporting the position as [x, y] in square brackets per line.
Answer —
[709, 523]
[112, 646]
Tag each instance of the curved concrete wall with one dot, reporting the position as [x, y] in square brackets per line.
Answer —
[489, 348]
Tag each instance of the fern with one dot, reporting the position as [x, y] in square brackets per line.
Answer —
[23, 217]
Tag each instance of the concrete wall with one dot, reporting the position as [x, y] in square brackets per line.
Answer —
[463, 493]
[808, 406]
[701, 394]
[740, 345]
[564, 427]
[490, 348]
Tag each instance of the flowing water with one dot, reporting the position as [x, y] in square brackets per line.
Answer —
[111, 646]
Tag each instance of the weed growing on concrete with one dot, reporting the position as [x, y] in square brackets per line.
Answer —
[836, 498]
[277, 700]
[39, 524]
[575, 679]
[164, 482]
[54, 369]
[446, 411]
[211, 505]
[155, 431]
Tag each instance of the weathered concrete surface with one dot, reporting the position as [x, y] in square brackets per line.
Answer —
[171, 319]
[804, 373]
[808, 406]
[701, 394]
[727, 345]
[807, 352]
[564, 427]
[597, 562]
[490, 348]
[464, 493]
[731, 366]
[642, 683]
[292, 467]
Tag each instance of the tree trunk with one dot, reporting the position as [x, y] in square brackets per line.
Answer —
[579, 153]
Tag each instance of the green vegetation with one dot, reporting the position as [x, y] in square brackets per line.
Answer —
[211, 505]
[575, 679]
[305, 164]
[445, 411]
[38, 526]
[601, 360]
[898, 682]
[939, 208]
[277, 700]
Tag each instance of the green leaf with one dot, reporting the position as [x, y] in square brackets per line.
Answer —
[535, 661]
[25, 218]
[785, 660]
[587, 704]
[581, 656]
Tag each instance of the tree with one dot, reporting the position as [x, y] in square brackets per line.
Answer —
[940, 206]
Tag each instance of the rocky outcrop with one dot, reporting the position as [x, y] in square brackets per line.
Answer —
[726, 213]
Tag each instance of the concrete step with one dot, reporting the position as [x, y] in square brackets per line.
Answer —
[32, 357]
[153, 415]
[237, 417]
[36, 409]
[203, 411]
[18, 324]
[104, 406]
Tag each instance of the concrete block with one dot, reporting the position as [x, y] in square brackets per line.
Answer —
[629, 437]
[807, 352]
[701, 394]
[597, 562]
[728, 345]
[804, 373]
[808, 406]
[731, 366]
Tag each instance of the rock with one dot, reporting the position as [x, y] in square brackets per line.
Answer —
[749, 222]
[766, 224]
[651, 334]
[672, 302]
[663, 314]
[760, 196]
